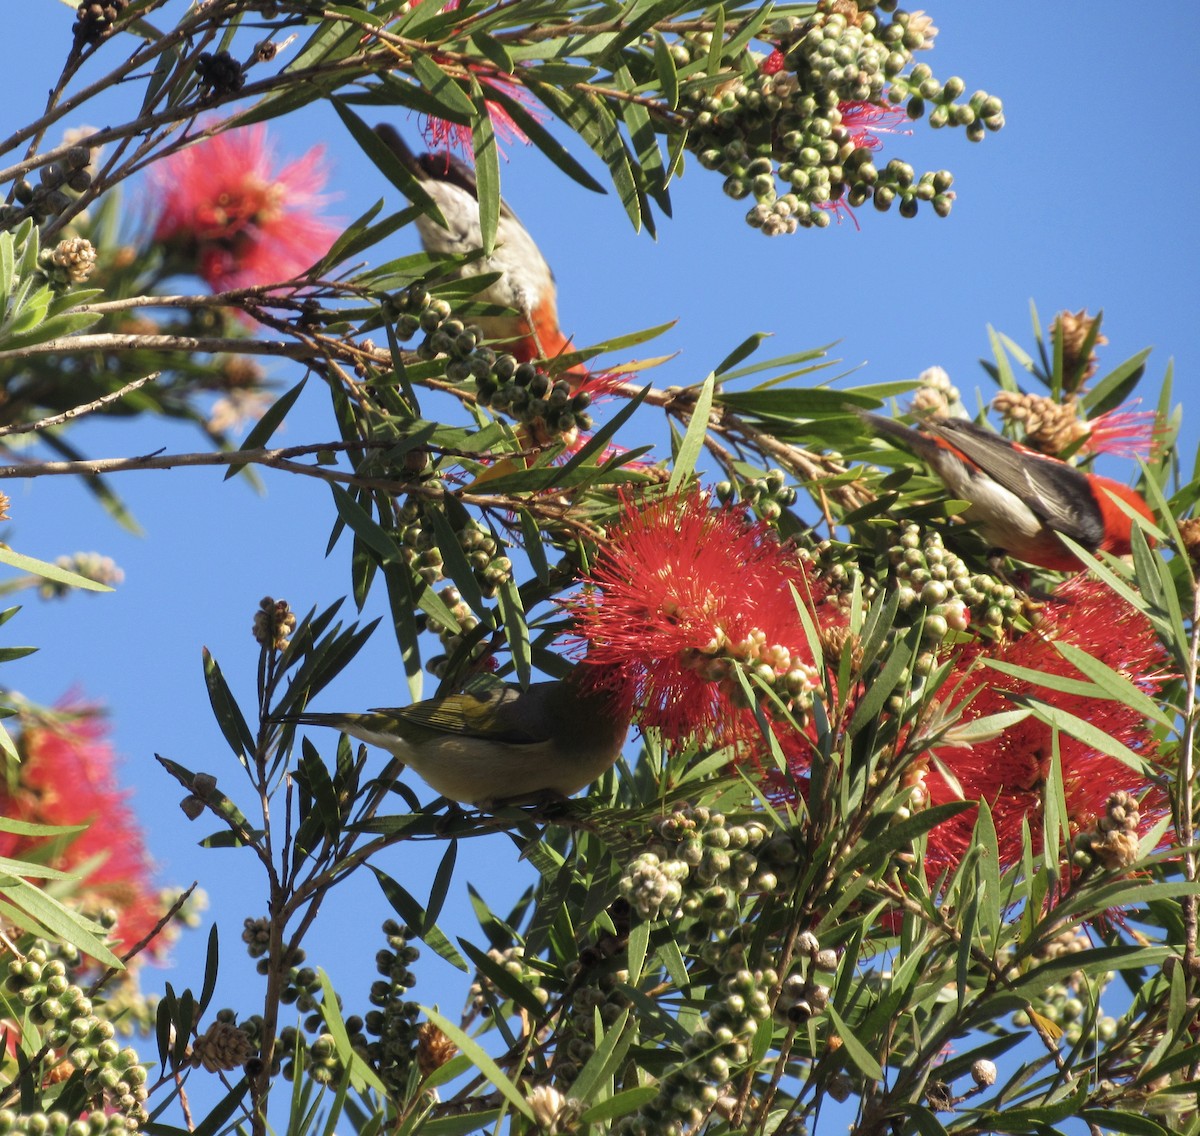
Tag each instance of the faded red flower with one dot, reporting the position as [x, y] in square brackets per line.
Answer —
[67, 776]
[439, 134]
[1009, 771]
[683, 598]
[230, 217]
[1123, 432]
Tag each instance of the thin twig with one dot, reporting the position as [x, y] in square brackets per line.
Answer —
[80, 411]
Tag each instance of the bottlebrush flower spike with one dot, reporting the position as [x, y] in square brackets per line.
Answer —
[67, 776]
[228, 215]
[442, 135]
[683, 597]
[1009, 770]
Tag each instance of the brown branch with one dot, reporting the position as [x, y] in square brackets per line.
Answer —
[80, 411]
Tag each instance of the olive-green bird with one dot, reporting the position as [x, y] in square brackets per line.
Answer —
[495, 741]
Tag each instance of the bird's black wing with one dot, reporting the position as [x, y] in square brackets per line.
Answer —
[1057, 492]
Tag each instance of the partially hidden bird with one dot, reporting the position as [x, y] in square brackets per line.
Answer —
[495, 741]
[1020, 500]
[526, 283]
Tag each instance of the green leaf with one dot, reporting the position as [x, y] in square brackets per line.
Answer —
[229, 715]
[623, 1103]
[487, 168]
[50, 571]
[388, 163]
[693, 440]
[268, 424]
[482, 1062]
[362, 1076]
[854, 1049]
[413, 915]
[60, 921]
[454, 101]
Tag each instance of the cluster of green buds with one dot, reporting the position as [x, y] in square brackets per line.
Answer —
[484, 997]
[601, 994]
[534, 398]
[804, 118]
[780, 676]
[719, 1047]
[521, 390]
[393, 1021]
[468, 621]
[768, 495]
[698, 866]
[94, 1123]
[418, 541]
[935, 583]
[1071, 1005]
[54, 192]
[70, 1026]
[801, 995]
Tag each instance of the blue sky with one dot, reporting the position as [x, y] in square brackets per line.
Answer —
[1083, 200]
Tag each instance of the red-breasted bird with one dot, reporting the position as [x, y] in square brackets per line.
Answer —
[526, 283]
[1020, 500]
[495, 741]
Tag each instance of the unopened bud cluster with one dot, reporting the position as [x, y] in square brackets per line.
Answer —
[70, 1026]
[220, 73]
[1114, 839]
[223, 1047]
[94, 1123]
[936, 583]
[1049, 426]
[485, 998]
[57, 183]
[937, 396]
[94, 20]
[803, 118]
[391, 1024]
[484, 553]
[768, 495]
[452, 640]
[698, 866]
[274, 623]
[801, 995]
[1076, 329]
[776, 674]
[70, 262]
[89, 565]
[519, 389]
[601, 994]
[1071, 1005]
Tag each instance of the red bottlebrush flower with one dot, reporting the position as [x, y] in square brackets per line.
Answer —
[866, 121]
[1008, 771]
[1123, 432]
[67, 777]
[774, 63]
[234, 220]
[442, 135]
[684, 596]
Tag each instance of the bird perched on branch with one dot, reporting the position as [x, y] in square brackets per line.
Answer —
[526, 284]
[495, 741]
[1020, 500]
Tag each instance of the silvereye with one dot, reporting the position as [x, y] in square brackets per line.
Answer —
[495, 741]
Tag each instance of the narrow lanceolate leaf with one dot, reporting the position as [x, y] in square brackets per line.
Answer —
[855, 1050]
[693, 440]
[49, 571]
[268, 424]
[229, 716]
[487, 169]
[482, 1062]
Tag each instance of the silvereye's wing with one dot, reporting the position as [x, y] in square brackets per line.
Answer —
[487, 707]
